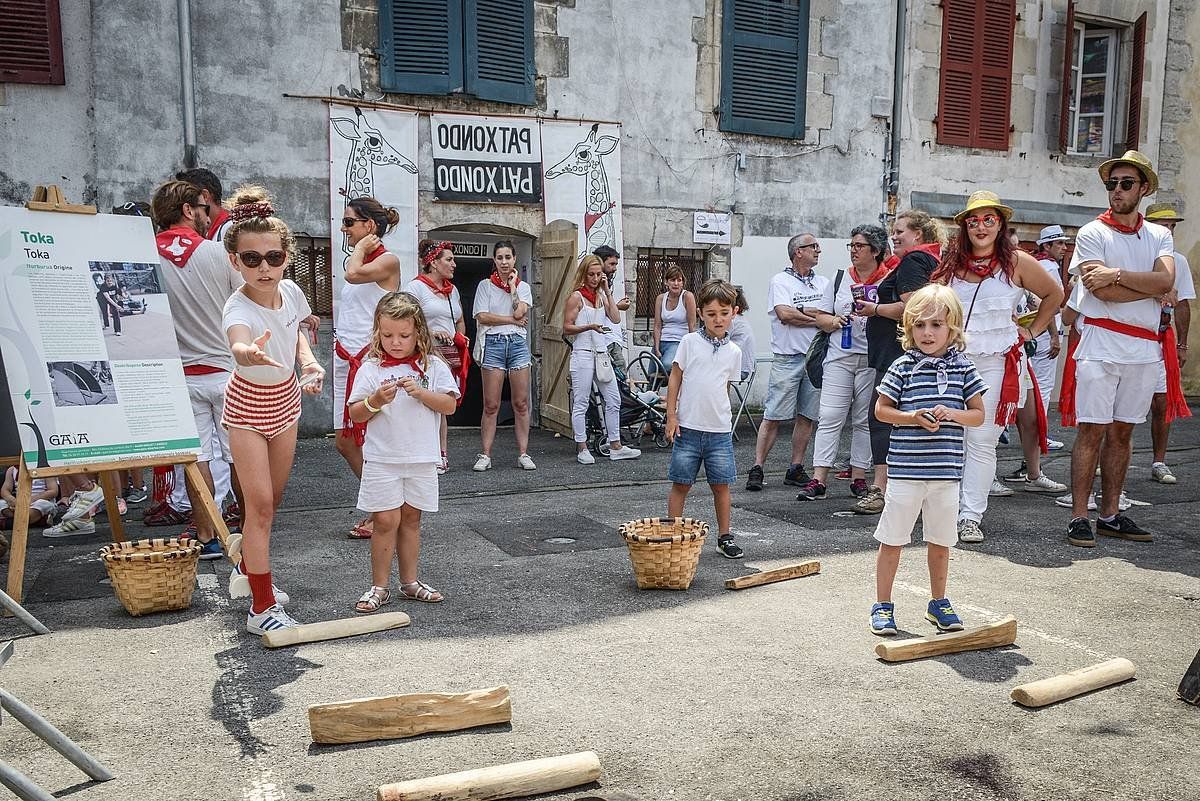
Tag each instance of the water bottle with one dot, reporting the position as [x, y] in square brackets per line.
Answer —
[1164, 319]
[846, 337]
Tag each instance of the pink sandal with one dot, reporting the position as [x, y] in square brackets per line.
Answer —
[362, 530]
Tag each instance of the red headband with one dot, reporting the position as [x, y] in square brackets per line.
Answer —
[249, 211]
[430, 257]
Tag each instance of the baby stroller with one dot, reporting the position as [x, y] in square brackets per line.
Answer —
[642, 414]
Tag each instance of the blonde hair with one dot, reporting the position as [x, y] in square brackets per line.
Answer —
[931, 230]
[402, 306]
[925, 303]
[257, 218]
[586, 263]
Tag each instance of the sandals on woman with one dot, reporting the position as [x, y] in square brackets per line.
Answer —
[372, 599]
[420, 591]
[362, 530]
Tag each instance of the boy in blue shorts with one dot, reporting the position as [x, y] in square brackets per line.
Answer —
[929, 394]
[699, 417]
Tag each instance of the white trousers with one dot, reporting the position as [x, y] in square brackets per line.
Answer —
[845, 389]
[979, 442]
[1045, 369]
[583, 371]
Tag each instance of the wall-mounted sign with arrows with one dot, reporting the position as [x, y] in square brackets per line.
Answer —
[712, 227]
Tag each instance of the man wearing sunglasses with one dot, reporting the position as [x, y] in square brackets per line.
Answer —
[1123, 265]
[199, 280]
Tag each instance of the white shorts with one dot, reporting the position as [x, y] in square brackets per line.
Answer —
[341, 368]
[41, 505]
[936, 502]
[207, 394]
[389, 486]
[1106, 391]
[1161, 387]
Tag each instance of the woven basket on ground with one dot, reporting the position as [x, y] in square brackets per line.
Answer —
[152, 575]
[664, 550]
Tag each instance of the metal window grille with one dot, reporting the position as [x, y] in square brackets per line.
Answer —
[312, 271]
[652, 264]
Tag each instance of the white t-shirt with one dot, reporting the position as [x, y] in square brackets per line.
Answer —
[789, 340]
[842, 305]
[440, 314]
[198, 291]
[1185, 287]
[283, 323]
[494, 300]
[1133, 253]
[405, 431]
[704, 393]
[743, 336]
[354, 314]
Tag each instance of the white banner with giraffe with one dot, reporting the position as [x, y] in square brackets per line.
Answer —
[373, 153]
[581, 164]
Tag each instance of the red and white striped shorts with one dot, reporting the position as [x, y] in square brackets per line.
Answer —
[269, 409]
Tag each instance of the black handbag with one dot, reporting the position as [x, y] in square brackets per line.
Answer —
[814, 362]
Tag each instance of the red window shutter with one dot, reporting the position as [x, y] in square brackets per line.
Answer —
[1133, 126]
[31, 42]
[1065, 134]
[960, 45]
[997, 24]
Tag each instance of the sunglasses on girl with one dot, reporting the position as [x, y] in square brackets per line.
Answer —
[274, 258]
[987, 221]
[349, 222]
[1125, 183]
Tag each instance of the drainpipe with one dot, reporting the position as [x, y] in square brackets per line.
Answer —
[184, 12]
[893, 178]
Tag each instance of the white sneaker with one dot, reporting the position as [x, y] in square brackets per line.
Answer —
[1055, 445]
[1123, 503]
[1043, 483]
[998, 490]
[482, 462]
[525, 463]
[970, 531]
[1065, 501]
[624, 452]
[585, 457]
[273, 618]
[84, 503]
[69, 528]
[239, 587]
[1162, 474]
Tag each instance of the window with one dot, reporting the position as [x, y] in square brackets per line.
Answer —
[976, 79]
[312, 271]
[652, 263]
[1091, 93]
[31, 42]
[482, 48]
[764, 67]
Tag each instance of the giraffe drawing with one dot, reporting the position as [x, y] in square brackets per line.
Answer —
[586, 159]
[368, 150]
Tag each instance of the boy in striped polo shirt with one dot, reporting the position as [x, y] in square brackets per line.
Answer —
[929, 395]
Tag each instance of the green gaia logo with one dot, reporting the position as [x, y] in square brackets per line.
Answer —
[43, 459]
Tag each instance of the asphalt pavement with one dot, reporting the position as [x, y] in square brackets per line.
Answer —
[769, 693]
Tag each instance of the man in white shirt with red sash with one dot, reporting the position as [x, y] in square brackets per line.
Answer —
[1123, 265]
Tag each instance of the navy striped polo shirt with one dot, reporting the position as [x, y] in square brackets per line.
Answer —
[916, 381]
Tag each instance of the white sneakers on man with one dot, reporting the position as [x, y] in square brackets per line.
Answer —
[623, 452]
[482, 462]
[1044, 483]
[585, 457]
[525, 463]
[998, 490]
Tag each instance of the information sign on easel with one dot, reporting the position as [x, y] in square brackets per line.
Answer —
[91, 362]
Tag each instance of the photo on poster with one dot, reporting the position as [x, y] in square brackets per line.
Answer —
[133, 310]
[81, 383]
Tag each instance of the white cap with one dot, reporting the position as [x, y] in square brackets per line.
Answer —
[1052, 233]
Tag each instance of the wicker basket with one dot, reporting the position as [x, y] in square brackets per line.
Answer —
[664, 550]
[152, 575]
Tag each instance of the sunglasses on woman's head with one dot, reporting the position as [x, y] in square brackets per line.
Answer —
[348, 222]
[274, 258]
[987, 220]
[1125, 183]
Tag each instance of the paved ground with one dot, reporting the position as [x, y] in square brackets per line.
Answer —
[772, 693]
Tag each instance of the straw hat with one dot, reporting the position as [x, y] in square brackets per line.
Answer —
[983, 200]
[1163, 212]
[1134, 159]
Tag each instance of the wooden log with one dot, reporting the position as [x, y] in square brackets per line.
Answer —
[1003, 632]
[335, 629]
[1069, 685]
[772, 576]
[1189, 688]
[514, 780]
[395, 716]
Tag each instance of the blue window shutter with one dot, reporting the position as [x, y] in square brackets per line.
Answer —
[499, 50]
[764, 66]
[420, 43]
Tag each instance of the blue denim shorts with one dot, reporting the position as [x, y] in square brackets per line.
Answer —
[694, 448]
[506, 352]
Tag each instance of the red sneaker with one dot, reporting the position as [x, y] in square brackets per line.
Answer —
[163, 514]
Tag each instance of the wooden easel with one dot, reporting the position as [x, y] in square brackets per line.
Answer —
[50, 198]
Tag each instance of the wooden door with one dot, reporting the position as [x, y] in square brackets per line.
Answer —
[556, 253]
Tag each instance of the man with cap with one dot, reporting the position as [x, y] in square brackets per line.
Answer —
[1185, 290]
[1123, 265]
[1052, 247]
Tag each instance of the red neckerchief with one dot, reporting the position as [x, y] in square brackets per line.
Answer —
[588, 294]
[1108, 219]
[1042, 255]
[351, 429]
[444, 290]
[500, 282]
[177, 244]
[216, 223]
[374, 254]
[881, 271]
[413, 361]
[933, 249]
[981, 269]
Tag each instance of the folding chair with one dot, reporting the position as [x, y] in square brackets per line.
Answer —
[741, 391]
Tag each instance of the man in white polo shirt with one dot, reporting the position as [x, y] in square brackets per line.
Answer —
[1124, 265]
[790, 395]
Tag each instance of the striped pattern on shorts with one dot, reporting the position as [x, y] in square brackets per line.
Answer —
[269, 409]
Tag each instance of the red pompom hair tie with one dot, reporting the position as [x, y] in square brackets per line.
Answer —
[251, 211]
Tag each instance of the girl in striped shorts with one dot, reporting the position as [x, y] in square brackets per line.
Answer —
[262, 399]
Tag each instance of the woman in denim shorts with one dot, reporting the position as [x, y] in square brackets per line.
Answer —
[502, 306]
